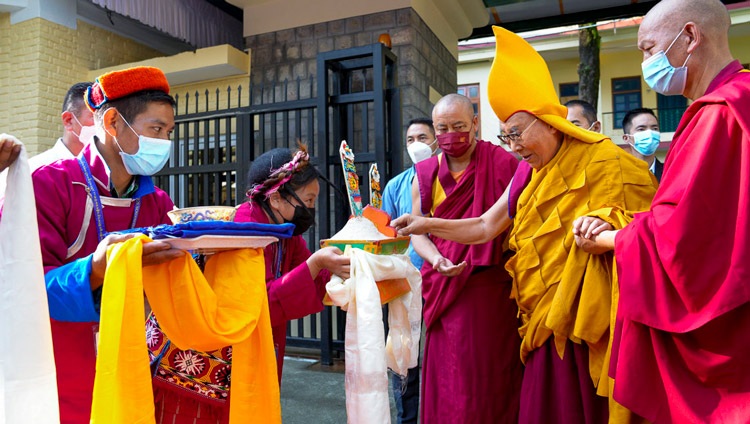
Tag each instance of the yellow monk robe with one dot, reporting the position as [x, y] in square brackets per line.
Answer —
[226, 305]
[562, 291]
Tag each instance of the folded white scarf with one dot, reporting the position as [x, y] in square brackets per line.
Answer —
[28, 385]
[367, 356]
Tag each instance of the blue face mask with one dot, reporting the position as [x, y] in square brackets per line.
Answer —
[646, 142]
[152, 154]
[661, 76]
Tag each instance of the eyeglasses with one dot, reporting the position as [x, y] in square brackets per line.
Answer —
[513, 137]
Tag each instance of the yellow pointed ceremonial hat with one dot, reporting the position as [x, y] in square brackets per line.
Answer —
[520, 82]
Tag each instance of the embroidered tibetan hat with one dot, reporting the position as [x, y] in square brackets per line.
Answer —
[118, 84]
[520, 82]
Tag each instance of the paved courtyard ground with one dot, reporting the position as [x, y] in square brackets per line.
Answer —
[314, 394]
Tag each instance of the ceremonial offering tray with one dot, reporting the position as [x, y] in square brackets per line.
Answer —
[202, 213]
[209, 244]
[388, 246]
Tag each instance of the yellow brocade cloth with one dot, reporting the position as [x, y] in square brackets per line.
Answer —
[226, 305]
[562, 291]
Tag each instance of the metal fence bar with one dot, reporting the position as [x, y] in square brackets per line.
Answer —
[215, 141]
[217, 154]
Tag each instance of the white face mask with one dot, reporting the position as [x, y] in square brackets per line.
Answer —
[419, 151]
[87, 132]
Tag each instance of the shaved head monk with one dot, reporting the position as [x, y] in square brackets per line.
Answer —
[680, 348]
[471, 371]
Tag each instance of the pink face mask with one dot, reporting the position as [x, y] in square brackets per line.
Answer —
[454, 144]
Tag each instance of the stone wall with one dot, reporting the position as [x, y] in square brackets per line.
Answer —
[41, 60]
[423, 61]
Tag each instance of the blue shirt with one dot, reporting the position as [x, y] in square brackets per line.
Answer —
[397, 201]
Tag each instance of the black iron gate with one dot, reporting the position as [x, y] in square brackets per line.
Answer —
[218, 134]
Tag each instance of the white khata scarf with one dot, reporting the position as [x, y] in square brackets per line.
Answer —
[367, 357]
[28, 384]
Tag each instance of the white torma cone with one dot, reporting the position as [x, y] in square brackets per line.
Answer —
[28, 385]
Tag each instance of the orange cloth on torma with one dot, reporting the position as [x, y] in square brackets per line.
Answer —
[222, 308]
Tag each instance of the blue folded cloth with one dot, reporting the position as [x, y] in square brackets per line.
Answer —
[195, 229]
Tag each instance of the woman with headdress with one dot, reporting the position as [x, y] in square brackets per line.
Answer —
[282, 188]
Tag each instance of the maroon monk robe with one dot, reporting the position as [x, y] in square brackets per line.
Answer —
[681, 346]
[558, 389]
[520, 181]
[471, 368]
[294, 295]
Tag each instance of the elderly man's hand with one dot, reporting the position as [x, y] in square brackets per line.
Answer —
[408, 225]
[10, 148]
[594, 235]
[588, 226]
[445, 267]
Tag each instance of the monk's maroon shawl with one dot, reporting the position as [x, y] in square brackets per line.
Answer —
[482, 183]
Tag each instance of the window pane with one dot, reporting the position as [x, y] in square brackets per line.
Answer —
[618, 119]
[622, 103]
[626, 84]
[670, 110]
[472, 92]
[569, 89]
[626, 95]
